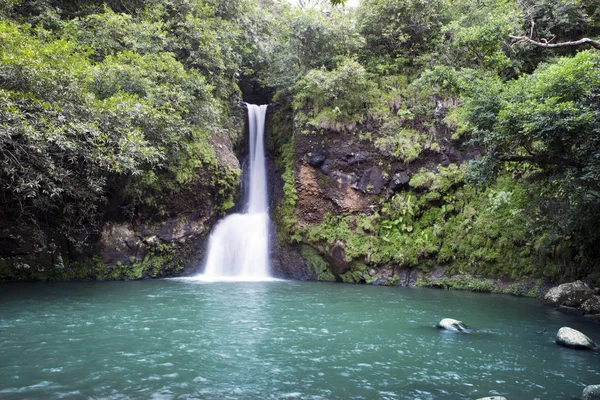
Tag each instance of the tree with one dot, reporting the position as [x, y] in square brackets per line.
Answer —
[399, 31]
[554, 24]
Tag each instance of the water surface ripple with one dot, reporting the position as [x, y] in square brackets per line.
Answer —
[175, 339]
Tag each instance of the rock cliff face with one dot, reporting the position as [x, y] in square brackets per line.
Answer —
[345, 172]
[352, 170]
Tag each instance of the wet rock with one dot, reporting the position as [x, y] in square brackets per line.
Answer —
[591, 392]
[287, 262]
[336, 257]
[380, 282]
[452, 325]
[572, 294]
[317, 159]
[570, 310]
[591, 305]
[372, 181]
[572, 338]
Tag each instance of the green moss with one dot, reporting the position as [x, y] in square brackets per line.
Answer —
[462, 282]
[284, 212]
[318, 263]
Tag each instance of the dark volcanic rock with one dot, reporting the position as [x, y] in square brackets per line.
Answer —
[326, 169]
[357, 158]
[399, 181]
[372, 181]
[317, 159]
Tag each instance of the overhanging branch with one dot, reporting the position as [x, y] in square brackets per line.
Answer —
[580, 42]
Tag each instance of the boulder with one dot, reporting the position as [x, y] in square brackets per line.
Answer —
[591, 305]
[399, 180]
[572, 294]
[591, 392]
[452, 325]
[572, 338]
[317, 159]
[372, 181]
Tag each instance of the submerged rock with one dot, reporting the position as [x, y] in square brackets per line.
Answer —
[570, 310]
[591, 392]
[592, 317]
[452, 325]
[493, 398]
[572, 338]
[572, 294]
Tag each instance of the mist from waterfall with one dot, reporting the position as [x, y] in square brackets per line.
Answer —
[239, 244]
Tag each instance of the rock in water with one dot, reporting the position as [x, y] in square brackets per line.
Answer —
[571, 338]
[493, 398]
[591, 305]
[572, 294]
[452, 325]
[591, 392]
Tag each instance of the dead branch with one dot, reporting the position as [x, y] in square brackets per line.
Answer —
[580, 42]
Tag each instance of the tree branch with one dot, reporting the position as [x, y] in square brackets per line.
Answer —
[580, 42]
[538, 159]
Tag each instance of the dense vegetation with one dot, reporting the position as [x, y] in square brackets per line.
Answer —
[111, 111]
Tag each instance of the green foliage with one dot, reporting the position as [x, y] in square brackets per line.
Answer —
[399, 32]
[121, 105]
[406, 144]
[478, 32]
[300, 39]
[460, 283]
[441, 180]
[548, 122]
[151, 266]
[336, 98]
[107, 106]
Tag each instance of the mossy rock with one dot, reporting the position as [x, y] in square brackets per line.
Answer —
[318, 263]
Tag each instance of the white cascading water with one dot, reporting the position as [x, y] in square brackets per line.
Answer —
[239, 244]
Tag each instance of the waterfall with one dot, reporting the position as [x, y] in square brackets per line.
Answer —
[239, 244]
